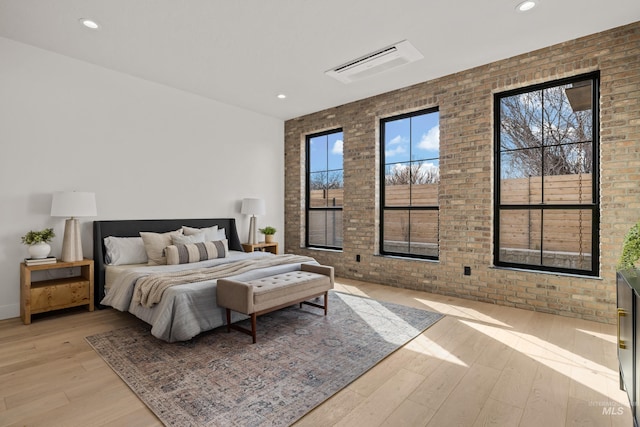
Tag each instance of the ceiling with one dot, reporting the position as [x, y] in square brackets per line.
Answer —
[245, 52]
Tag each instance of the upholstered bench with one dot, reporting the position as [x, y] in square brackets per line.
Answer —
[260, 296]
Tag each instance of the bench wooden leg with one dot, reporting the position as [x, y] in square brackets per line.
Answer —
[326, 302]
[253, 327]
[325, 306]
[235, 327]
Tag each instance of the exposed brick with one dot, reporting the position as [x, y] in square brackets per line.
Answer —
[465, 101]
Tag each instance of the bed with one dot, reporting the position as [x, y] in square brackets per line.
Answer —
[184, 310]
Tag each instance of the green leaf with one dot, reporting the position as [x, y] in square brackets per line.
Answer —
[630, 249]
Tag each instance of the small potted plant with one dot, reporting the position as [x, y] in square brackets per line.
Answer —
[38, 242]
[268, 232]
[630, 249]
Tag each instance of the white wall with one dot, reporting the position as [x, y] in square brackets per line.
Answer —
[146, 150]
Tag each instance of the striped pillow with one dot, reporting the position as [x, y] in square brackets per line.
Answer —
[195, 252]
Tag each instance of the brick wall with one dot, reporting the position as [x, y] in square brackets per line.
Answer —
[465, 101]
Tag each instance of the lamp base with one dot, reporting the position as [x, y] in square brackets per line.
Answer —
[252, 231]
[71, 243]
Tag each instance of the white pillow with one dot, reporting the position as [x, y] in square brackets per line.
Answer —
[124, 250]
[210, 234]
[154, 244]
[183, 240]
[221, 234]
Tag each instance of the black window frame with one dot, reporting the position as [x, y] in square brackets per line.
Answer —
[308, 208]
[594, 206]
[410, 208]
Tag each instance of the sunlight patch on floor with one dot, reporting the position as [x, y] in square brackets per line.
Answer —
[349, 289]
[605, 337]
[462, 312]
[378, 311]
[423, 345]
[584, 371]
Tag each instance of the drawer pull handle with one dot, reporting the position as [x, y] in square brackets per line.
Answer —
[621, 344]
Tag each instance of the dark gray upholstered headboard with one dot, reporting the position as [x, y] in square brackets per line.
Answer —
[132, 228]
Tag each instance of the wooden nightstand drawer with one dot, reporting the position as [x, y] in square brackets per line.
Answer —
[62, 294]
[55, 294]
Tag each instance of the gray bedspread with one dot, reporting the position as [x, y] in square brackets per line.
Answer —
[189, 309]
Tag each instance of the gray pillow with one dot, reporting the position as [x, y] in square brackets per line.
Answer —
[183, 240]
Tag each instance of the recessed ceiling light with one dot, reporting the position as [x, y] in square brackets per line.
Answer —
[89, 23]
[526, 5]
[282, 96]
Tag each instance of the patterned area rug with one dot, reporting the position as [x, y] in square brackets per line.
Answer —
[301, 359]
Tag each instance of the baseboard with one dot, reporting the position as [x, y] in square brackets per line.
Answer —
[9, 311]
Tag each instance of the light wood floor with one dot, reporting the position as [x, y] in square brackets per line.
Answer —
[481, 365]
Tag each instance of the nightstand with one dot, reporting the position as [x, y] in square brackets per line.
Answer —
[261, 247]
[55, 294]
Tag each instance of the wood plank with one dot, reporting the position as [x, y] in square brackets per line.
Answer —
[33, 409]
[382, 372]
[474, 390]
[409, 413]
[437, 387]
[516, 380]
[547, 402]
[384, 401]
[498, 414]
[333, 410]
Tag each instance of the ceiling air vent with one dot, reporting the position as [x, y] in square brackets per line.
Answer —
[389, 57]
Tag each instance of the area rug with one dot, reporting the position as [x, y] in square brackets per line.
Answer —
[301, 359]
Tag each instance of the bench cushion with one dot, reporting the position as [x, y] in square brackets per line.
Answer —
[279, 289]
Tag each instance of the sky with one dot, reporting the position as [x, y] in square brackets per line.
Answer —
[326, 152]
[409, 139]
[414, 138]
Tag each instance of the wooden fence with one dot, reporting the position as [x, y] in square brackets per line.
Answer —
[564, 230]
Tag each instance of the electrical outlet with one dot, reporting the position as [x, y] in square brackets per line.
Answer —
[467, 271]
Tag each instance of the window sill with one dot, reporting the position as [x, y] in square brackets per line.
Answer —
[408, 258]
[553, 273]
[313, 248]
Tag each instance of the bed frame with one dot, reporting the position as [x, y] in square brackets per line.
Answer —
[132, 228]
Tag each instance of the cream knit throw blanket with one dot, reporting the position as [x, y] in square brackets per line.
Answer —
[148, 290]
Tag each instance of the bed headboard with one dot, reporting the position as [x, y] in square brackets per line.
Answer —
[132, 228]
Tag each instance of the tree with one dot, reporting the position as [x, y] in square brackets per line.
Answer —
[414, 173]
[326, 180]
[543, 135]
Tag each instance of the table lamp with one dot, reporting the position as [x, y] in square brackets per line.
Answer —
[252, 207]
[72, 204]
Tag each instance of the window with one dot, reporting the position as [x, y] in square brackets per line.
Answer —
[325, 189]
[546, 215]
[410, 147]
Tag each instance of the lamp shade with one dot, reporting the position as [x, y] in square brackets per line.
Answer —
[252, 207]
[73, 204]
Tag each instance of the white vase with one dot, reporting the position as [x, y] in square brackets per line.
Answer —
[39, 250]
